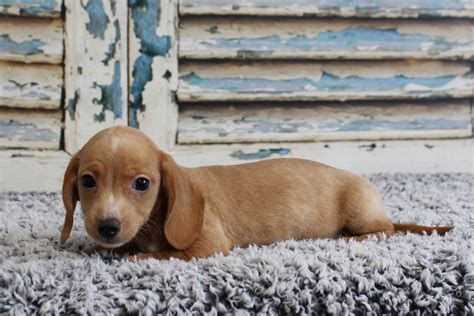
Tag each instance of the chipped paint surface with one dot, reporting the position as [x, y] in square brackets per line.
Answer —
[31, 40]
[98, 19]
[326, 82]
[29, 47]
[328, 121]
[349, 40]
[30, 87]
[14, 130]
[146, 18]
[346, 8]
[111, 96]
[96, 80]
[261, 154]
[323, 81]
[31, 7]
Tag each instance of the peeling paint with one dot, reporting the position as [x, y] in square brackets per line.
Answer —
[418, 124]
[261, 154]
[71, 105]
[146, 18]
[29, 47]
[111, 96]
[372, 8]
[29, 7]
[348, 39]
[326, 82]
[113, 46]
[14, 130]
[98, 19]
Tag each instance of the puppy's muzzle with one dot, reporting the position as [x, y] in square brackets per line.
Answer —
[108, 228]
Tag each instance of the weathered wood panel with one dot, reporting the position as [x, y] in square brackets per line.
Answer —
[347, 8]
[96, 68]
[30, 129]
[44, 8]
[31, 40]
[279, 81]
[323, 122]
[28, 86]
[154, 69]
[294, 38]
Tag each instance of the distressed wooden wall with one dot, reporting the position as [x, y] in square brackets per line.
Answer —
[307, 70]
[31, 74]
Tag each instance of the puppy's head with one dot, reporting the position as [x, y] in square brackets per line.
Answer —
[121, 177]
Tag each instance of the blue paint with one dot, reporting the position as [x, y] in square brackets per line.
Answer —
[347, 39]
[98, 20]
[261, 154]
[113, 46]
[71, 105]
[30, 7]
[14, 130]
[146, 18]
[326, 82]
[264, 126]
[29, 47]
[111, 97]
[373, 6]
[418, 124]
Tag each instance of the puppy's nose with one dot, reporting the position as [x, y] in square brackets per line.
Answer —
[109, 227]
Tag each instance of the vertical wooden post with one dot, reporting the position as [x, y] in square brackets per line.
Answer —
[96, 77]
[154, 69]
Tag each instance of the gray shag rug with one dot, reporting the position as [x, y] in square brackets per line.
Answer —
[403, 274]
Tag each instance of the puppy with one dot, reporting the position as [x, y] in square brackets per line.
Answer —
[137, 200]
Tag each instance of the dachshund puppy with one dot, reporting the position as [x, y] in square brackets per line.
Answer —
[137, 200]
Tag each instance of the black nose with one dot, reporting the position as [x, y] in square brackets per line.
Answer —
[108, 228]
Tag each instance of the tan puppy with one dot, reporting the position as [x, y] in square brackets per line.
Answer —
[137, 200]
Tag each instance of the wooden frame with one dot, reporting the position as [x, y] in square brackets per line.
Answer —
[96, 76]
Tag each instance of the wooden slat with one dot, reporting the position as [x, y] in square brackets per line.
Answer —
[348, 8]
[30, 129]
[96, 79]
[290, 38]
[30, 86]
[280, 81]
[43, 8]
[317, 122]
[31, 40]
[153, 69]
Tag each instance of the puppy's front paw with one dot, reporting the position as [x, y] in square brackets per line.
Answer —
[95, 249]
[140, 256]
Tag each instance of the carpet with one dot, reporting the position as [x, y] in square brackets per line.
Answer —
[403, 274]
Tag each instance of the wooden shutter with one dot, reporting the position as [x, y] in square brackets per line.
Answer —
[31, 74]
[279, 70]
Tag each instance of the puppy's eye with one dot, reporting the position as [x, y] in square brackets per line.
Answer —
[88, 181]
[141, 184]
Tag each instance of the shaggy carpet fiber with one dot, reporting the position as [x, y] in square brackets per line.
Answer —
[405, 274]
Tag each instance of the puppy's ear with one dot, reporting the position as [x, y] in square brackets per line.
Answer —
[185, 205]
[70, 196]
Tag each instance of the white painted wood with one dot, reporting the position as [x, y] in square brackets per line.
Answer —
[31, 129]
[311, 81]
[28, 170]
[96, 80]
[42, 8]
[31, 40]
[30, 86]
[43, 171]
[350, 8]
[360, 157]
[298, 38]
[249, 123]
[154, 69]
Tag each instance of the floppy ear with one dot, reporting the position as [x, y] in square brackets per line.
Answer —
[70, 196]
[185, 205]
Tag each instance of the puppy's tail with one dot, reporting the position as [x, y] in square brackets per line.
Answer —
[417, 229]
